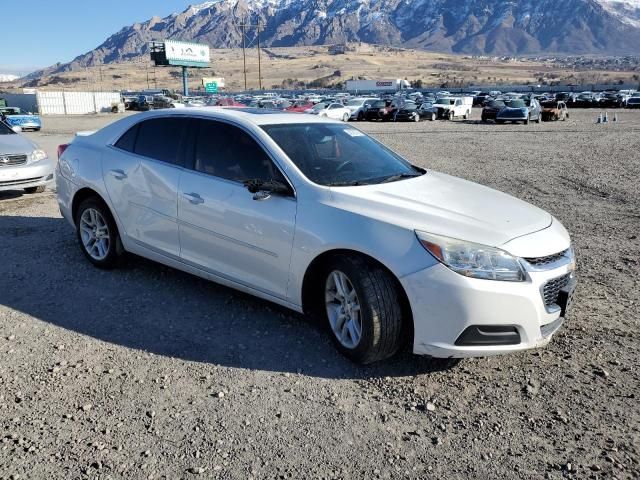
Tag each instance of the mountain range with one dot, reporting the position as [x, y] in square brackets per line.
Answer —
[478, 27]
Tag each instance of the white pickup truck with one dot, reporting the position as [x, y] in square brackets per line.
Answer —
[454, 107]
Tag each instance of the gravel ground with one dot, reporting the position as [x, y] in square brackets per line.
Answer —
[147, 372]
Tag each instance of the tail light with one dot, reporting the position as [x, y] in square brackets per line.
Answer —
[61, 149]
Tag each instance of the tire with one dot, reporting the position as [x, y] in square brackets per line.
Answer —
[416, 118]
[466, 115]
[539, 119]
[360, 116]
[345, 117]
[433, 117]
[379, 314]
[38, 189]
[451, 116]
[526, 122]
[484, 120]
[112, 250]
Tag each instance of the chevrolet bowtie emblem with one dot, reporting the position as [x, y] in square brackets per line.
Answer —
[4, 159]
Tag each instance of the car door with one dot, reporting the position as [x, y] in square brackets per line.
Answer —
[335, 111]
[223, 228]
[143, 185]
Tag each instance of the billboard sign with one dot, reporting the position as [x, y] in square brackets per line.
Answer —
[187, 54]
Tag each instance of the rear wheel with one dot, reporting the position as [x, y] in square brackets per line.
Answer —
[539, 118]
[451, 116]
[433, 117]
[38, 189]
[98, 234]
[345, 117]
[362, 309]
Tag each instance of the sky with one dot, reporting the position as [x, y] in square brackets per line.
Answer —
[43, 32]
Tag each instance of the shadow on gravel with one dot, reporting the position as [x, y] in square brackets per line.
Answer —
[149, 307]
[11, 194]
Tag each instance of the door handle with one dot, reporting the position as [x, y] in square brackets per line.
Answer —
[193, 198]
[118, 174]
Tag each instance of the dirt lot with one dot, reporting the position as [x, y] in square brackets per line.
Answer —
[146, 372]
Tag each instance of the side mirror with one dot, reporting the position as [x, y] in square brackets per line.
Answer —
[262, 190]
[17, 129]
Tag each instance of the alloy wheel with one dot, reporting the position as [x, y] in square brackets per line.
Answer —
[343, 309]
[94, 233]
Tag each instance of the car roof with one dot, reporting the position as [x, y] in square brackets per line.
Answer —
[256, 116]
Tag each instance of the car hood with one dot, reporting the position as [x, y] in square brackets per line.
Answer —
[445, 205]
[14, 144]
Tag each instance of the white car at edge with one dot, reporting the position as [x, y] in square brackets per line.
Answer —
[333, 110]
[317, 216]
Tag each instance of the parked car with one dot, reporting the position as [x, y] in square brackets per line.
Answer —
[520, 110]
[15, 117]
[407, 113]
[315, 215]
[299, 106]
[491, 109]
[334, 110]
[633, 102]
[454, 107]
[428, 111]
[553, 111]
[357, 107]
[23, 165]
[382, 110]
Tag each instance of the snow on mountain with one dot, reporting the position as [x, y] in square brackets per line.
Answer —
[5, 77]
[492, 27]
[628, 11]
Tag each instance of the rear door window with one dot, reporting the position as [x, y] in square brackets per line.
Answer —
[160, 139]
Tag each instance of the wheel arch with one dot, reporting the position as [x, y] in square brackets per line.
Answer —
[312, 276]
[81, 195]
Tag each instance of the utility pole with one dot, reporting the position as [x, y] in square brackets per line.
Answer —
[259, 62]
[244, 55]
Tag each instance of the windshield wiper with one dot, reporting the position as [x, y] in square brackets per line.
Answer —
[352, 183]
[400, 176]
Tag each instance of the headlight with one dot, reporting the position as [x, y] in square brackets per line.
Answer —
[473, 259]
[38, 155]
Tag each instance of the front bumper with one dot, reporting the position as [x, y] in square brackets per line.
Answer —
[26, 176]
[448, 307]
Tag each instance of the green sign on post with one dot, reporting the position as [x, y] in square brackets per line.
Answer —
[211, 87]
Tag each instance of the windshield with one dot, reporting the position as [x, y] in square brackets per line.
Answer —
[409, 106]
[516, 104]
[354, 103]
[319, 106]
[5, 130]
[379, 104]
[496, 104]
[445, 101]
[338, 155]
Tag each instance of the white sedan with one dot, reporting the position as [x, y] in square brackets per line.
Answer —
[336, 111]
[315, 215]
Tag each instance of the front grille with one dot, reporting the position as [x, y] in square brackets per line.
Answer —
[10, 160]
[22, 181]
[552, 288]
[542, 261]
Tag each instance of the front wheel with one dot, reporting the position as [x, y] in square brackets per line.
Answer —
[362, 309]
[451, 116]
[98, 234]
[360, 116]
[433, 117]
[345, 117]
[526, 121]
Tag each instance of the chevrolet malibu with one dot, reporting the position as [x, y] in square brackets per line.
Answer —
[317, 216]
